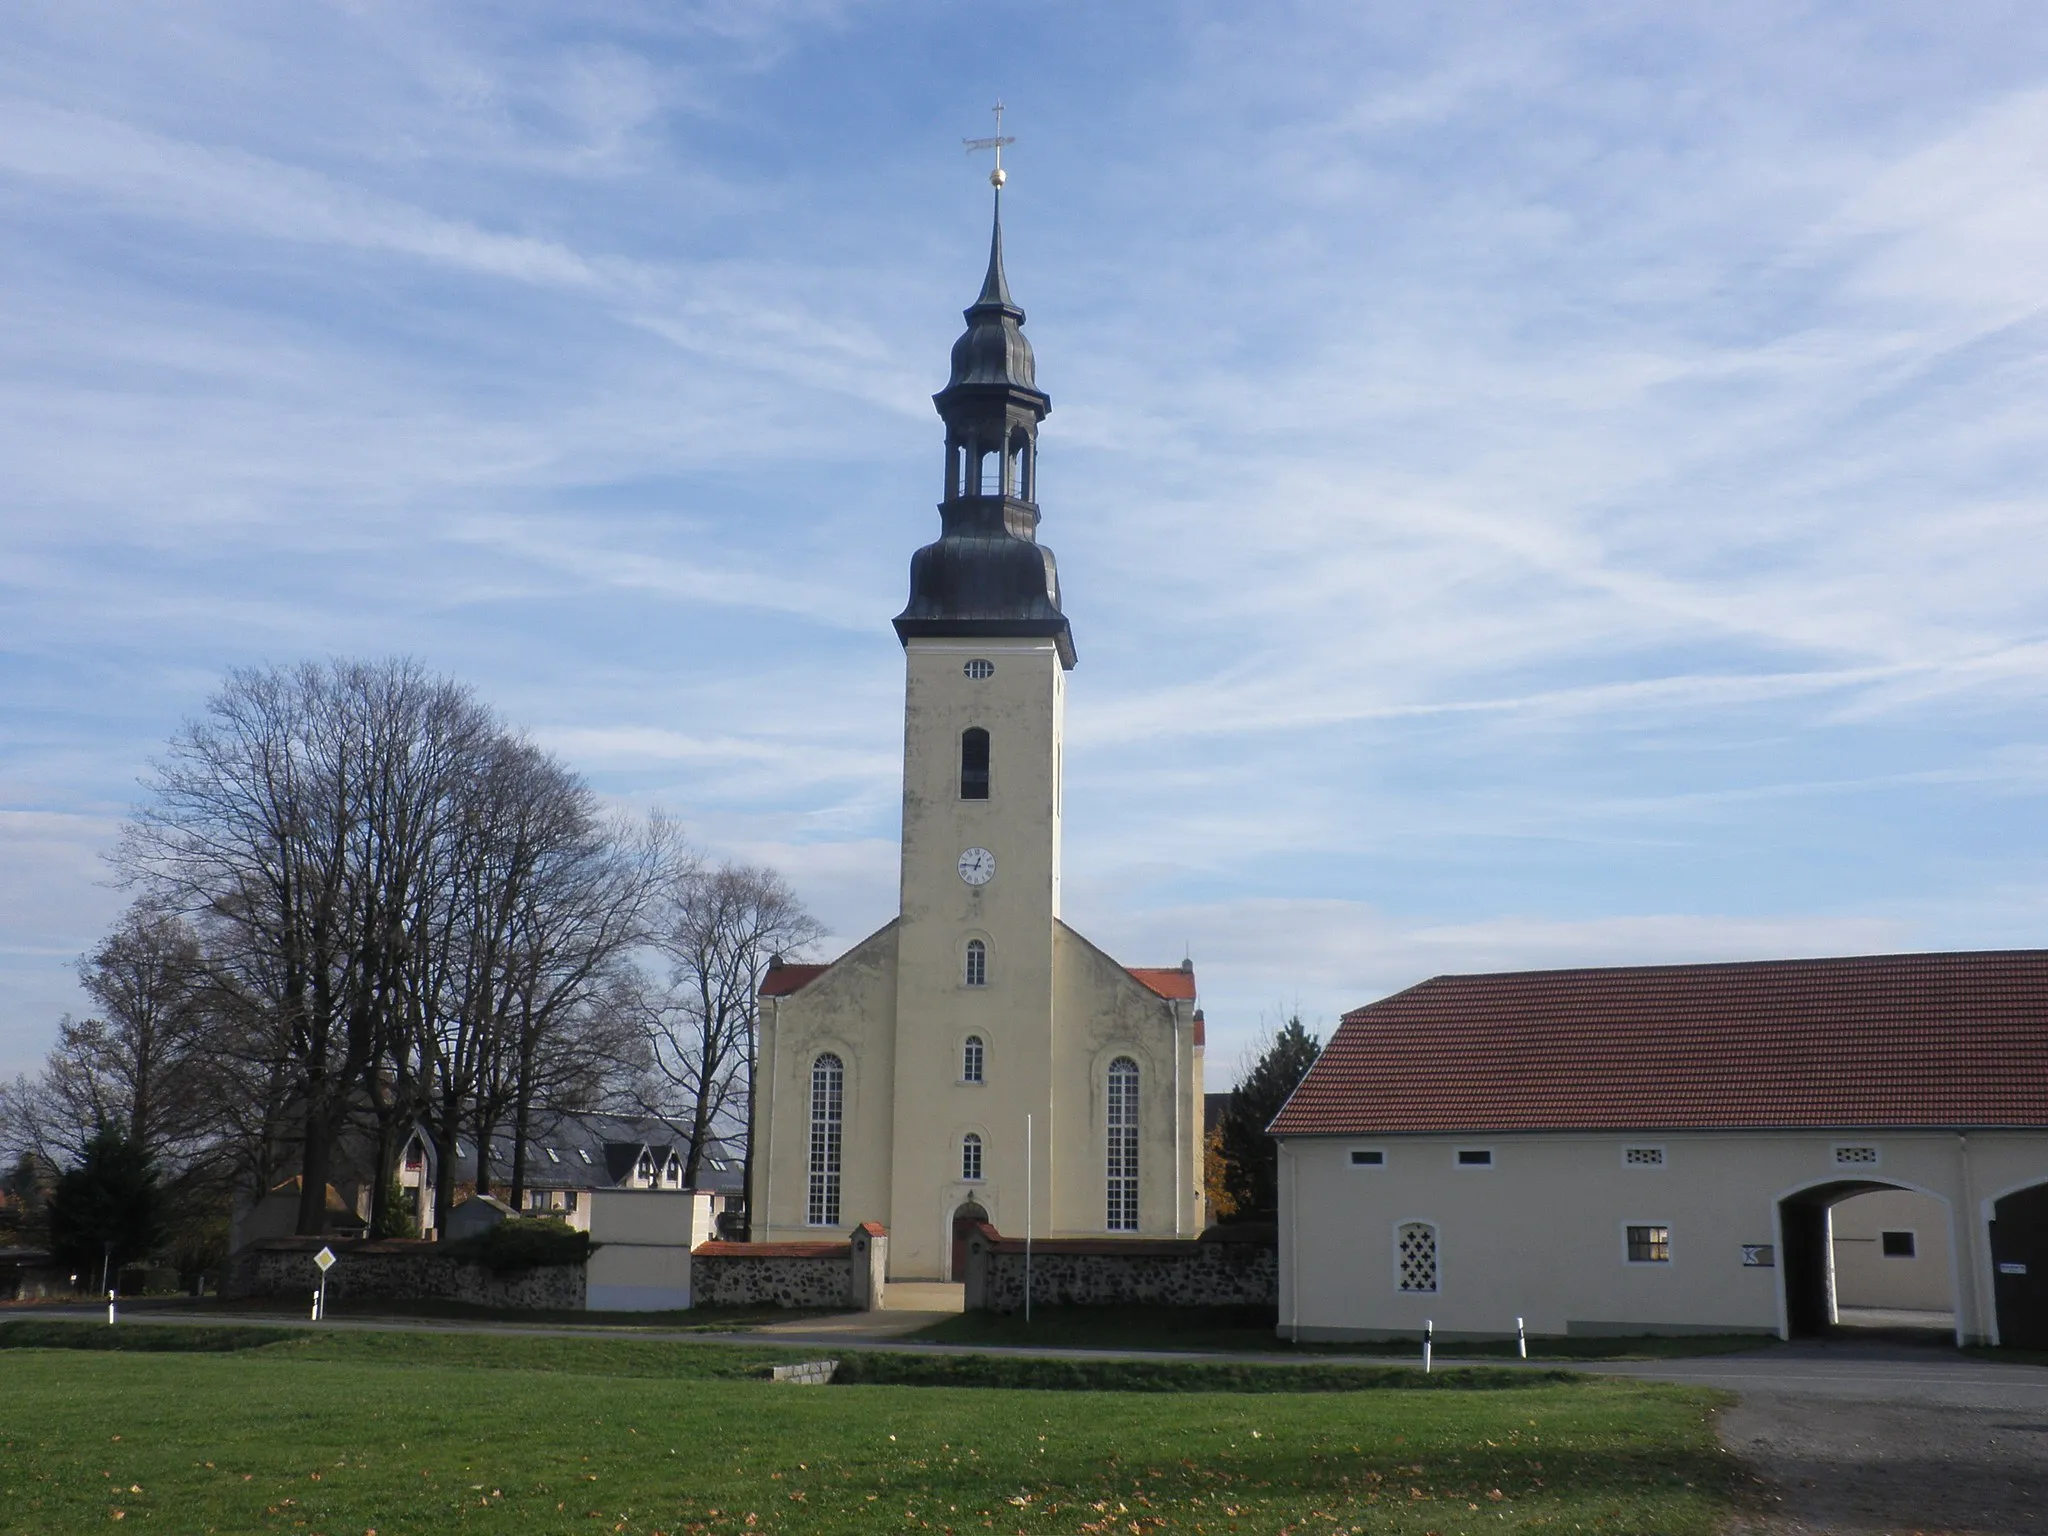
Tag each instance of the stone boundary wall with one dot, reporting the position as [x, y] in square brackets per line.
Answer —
[396, 1269]
[1227, 1270]
[772, 1275]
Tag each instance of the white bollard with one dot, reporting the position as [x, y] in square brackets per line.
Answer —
[110, 1309]
[314, 1315]
[1521, 1339]
[1428, 1337]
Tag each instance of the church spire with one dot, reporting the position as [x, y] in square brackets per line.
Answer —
[988, 574]
[995, 288]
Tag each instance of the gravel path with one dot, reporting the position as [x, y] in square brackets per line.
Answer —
[1856, 1468]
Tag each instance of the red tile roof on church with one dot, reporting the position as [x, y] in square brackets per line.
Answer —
[784, 979]
[1938, 1040]
[1168, 981]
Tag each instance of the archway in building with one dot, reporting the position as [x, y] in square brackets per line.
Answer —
[2019, 1267]
[1860, 1255]
[965, 1219]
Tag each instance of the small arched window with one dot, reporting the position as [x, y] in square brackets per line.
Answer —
[1123, 1145]
[974, 763]
[971, 1057]
[975, 971]
[828, 1100]
[970, 1158]
[1415, 1257]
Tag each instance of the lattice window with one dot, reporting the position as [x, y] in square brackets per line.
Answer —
[1644, 1157]
[1415, 1251]
[828, 1104]
[970, 1158]
[975, 971]
[972, 1055]
[1123, 1145]
[1855, 1157]
[1649, 1245]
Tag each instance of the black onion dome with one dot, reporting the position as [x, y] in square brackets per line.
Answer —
[987, 574]
[993, 351]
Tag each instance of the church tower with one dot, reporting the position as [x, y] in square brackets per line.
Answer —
[896, 1082]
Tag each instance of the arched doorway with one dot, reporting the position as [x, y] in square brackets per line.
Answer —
[966, 1218]
[2019, 1267]
[1863, 1254]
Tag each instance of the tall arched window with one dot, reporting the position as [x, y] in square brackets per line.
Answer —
[971, 1059]
[828, 1101]
[975, 972]
[970, 1158]
[1415, 1256]
[1123, 1145]
[974, 763]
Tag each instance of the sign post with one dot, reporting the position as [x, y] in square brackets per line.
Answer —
[323, 1261]
[1027, 1201]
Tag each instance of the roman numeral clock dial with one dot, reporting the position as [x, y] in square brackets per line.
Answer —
[977, 866]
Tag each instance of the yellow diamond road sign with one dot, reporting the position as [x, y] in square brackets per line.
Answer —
[325, 1259]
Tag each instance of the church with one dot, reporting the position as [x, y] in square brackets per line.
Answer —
[977, 1060]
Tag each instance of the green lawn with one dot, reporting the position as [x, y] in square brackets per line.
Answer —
[399, 1434]
[1251, 1329]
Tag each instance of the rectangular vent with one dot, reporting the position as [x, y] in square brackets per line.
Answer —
[1475, 1157]
[1855, 1157]
[1364, 1158]
[1643, 1157]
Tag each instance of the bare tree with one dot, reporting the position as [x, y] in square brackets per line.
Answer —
[295, 818]
[718, 929]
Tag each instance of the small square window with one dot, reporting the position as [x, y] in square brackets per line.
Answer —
[1649, 1245]
[1368, 1157]
[1898, 1245]
[1475, 1157]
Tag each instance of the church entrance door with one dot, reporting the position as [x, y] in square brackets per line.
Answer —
[965, 1219]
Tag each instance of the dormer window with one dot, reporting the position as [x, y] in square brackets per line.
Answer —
[644, 1172]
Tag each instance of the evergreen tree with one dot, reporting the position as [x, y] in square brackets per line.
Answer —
[106, 1210]
[1251, 1159]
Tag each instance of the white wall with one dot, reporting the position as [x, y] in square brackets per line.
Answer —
[1865, 1277]
[1542, 1233]
[644, 1238]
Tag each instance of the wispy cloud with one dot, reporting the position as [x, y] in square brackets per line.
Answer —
[1514, 474]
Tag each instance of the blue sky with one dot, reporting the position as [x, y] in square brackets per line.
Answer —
[1533, 485]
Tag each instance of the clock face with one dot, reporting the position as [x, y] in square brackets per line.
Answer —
[977, 866]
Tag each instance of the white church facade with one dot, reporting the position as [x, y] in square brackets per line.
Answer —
[976, 1059]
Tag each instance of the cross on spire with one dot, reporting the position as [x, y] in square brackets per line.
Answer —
[996, 178]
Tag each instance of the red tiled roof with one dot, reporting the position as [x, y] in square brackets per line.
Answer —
[717, 1249]
[1880, 1040]
[785, 979]
[1168, 981]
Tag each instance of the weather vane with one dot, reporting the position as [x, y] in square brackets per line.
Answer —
[996, 178]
